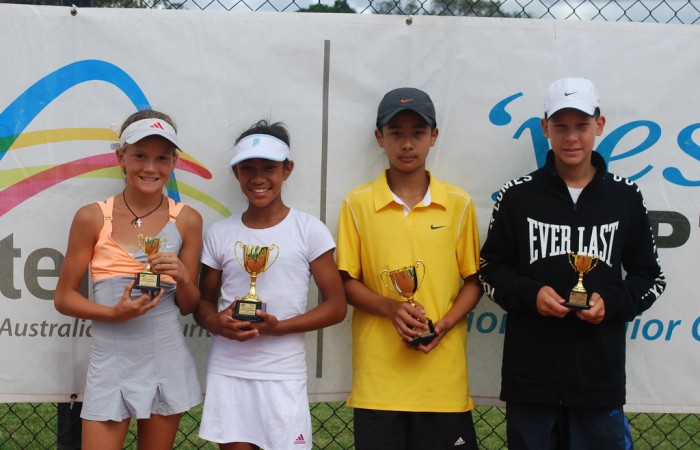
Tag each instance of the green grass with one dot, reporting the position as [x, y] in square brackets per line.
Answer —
[665, 431]
[33, 426]
[28, 425]
[333, 425]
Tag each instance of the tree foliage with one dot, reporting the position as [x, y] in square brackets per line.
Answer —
[340, 6]
[144, 4]
[476, 8]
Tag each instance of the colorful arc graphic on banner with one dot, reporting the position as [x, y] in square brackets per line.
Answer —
[20, 184]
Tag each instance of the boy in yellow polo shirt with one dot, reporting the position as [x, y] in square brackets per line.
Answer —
[409, 393]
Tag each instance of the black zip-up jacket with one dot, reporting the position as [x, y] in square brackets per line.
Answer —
[534, 226]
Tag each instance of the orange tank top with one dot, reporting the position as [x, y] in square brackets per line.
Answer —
[109, 259]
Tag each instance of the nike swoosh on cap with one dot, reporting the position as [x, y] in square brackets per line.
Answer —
[405, 100]
[566, 94]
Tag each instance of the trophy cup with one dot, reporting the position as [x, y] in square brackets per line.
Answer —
[578, 296]
[405, 282]
[147, 280]
[254, 262]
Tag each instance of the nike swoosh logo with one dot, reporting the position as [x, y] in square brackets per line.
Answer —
[566, 94]
[434, 227]
[406, 100]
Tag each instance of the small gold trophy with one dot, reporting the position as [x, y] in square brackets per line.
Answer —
[147, 280]
[254, 262]
[578, 296]
[405, 282]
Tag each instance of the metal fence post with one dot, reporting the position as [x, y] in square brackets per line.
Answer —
[69, 425]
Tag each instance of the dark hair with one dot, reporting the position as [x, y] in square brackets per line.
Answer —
[147, 114]
[277, 129]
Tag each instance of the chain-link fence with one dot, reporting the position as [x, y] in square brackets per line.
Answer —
[42, 426]
[50, 425]
[656, 11]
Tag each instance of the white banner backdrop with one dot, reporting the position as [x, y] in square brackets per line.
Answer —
[68, 79]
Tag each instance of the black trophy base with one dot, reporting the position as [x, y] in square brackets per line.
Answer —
[245, 310]
[578, 300]
[147, 281]
[427, 337]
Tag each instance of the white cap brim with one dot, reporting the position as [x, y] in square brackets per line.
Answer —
[582, 106]
[148, 127]
[261, 146]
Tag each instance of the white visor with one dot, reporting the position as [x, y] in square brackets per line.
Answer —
[261, 146]
[148, 127]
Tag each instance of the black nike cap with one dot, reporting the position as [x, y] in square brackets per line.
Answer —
[405, 99]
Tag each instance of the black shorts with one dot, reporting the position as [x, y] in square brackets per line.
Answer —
[398, 430]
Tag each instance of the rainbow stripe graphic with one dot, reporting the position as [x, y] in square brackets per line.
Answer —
[21, 184]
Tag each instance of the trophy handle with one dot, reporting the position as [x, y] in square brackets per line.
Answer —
[163, 241]
[141, 241]
[421, 263]
[595, 263]
[571, 256]
[235, 253]
[275, 246]
[385, 274]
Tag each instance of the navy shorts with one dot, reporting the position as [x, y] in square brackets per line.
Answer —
[399, 430]
[549, 427]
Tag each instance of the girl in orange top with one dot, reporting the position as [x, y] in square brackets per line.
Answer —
[139, 364]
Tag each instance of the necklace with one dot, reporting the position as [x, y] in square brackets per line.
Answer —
[137, 222]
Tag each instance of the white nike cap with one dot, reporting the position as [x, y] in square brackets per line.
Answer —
[577, 93]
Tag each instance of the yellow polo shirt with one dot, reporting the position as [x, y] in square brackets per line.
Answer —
[374, 235]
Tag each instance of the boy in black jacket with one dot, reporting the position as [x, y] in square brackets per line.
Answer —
[557, 244]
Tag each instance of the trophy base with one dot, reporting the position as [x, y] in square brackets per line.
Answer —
[577, 300]
[427, 337]
[245, 310]
[147, 281]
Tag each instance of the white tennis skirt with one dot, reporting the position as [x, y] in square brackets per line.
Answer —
[272, 414]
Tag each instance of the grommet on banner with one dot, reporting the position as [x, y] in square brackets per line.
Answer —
[73, 10]
[409, 21]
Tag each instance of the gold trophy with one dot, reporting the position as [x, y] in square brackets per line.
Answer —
[254, 262]
[578, 296]
[147, 280]
[405, 282]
